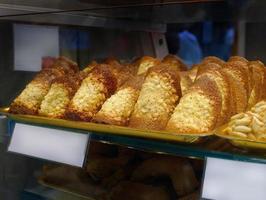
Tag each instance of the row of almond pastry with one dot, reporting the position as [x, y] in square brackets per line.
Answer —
[61, 90]
[145, 93]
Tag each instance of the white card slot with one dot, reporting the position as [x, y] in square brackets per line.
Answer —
[50, 144]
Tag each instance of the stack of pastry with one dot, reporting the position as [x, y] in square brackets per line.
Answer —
[220, 90]
[30, 99]
[147, 93]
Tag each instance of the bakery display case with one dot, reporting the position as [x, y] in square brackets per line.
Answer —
[127, 99]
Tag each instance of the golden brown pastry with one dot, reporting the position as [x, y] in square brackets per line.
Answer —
[59, 95]
[206, 66]
[29, 100]
[138, 191]
[185, 81]
[92, 93]
[213, 59]
[198, 110]
[193, 72]
[178, 170]
[65, 63]
[238, 78]
[117, 109]
[157, 99]
[222, 81]
[242, 70]
[145, 63]
[175, 62]
[257, 72]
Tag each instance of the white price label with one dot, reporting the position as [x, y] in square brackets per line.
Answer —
[234, 180]
[50, 144]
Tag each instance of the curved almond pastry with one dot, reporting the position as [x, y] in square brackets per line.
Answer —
[222, 81]
[94, 90]
[117, 109]
[29, 100]
[175, 62]
[213, 59]
[198, 110]
[58, 97]
[206, 66]
[193, 72]
[145, 63]
[157, 99]
[185, 81]
[257, 72]
[238, 78]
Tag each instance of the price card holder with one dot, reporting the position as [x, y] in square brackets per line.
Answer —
[50, 144]
[233, 180]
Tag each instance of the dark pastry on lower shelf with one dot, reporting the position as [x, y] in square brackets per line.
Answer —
[137, 191]
[178, 170]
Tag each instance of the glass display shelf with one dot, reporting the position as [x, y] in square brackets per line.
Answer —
[168, 11]
[210, 146]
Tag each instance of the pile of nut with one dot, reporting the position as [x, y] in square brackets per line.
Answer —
[250, 125]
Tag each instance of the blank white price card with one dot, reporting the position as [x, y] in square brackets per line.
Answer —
[50, 144]
[234, 180]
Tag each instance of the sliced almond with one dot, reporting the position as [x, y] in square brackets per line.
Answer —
[238, 134]
[242, 129]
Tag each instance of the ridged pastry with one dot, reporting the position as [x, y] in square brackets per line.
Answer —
[198, 109]
[222, 81]
[242, 70]
[257, 71]
[193, 72]
[176, 169]
[213, 59]
[238, 79]
[29, 100]
[206, 66]
[89, 67]
[237, 58]
[263, 89]
[185, 81]
[145, 63]
[157, 99]
[175, 62]
[92, 93]
[117, 109]
[67, 64]
[58, 97]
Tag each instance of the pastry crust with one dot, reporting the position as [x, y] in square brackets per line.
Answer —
[222, 81]
[66, 63]
[175, 62]
[94, 90]
[117, 109]
[145, 63]
[257, 72]
[157, 99]
[213, 59]
[238, 78]
[59, 95]
[185, 81]
[193, 72]
[198, 110]
[206, 66]
[29, 100]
